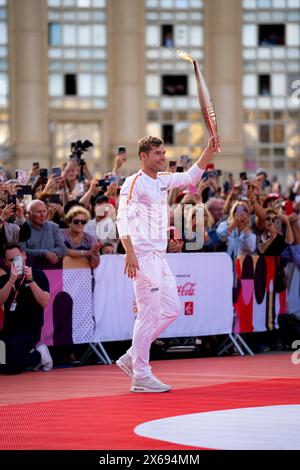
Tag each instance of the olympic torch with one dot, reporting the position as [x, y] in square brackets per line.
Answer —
[205, 101]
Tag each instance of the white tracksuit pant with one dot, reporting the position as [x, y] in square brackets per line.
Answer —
[158, 305]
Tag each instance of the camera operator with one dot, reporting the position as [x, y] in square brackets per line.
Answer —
[25, 294]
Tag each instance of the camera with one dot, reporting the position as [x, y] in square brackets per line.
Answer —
[77, 150]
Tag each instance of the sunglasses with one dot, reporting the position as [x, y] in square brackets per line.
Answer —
[79, 221]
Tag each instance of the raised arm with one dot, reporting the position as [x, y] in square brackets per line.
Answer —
[193, 175]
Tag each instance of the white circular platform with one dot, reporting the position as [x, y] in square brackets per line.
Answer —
[259, 428]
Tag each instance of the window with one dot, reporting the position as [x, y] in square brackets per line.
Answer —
[174, 85]
[250, 35]
[167, 38]
[293, 35]
[264, 133]
[70, 84]
[56, 85]
[264, 85]
[54, 34]
[168, 134]
[278, 134]
[271, 35]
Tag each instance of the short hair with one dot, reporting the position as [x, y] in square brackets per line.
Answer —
[11, 246]
[146, 143]
[100, 199]
[76, 210]
[71, 204]
[33, 203]
[105, 245]
[271, 210]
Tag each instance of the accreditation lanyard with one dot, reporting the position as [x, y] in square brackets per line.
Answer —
[13, 305]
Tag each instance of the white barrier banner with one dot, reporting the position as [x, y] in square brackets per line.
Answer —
[204, 282]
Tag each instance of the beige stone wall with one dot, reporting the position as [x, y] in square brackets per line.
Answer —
[28, 65]
[223, 71]
[126, 70]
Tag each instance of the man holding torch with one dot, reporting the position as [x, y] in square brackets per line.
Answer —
[142, 223]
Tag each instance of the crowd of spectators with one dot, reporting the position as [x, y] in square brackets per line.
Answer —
[75, 214]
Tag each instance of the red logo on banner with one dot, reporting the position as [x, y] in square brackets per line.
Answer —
[189, 308]
[187, 289]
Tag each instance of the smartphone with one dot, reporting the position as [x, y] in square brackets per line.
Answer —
[172, 163]
[171, 233]
[185, 160]
[44, 172]
[243, 175]
[247, 185]
[55, 199]
[179, 169]
[27, 198]
[113, 179]
[36, 165]
[219, 172]
[18, 264]
[104, 182]
[205, 176]
[121, 149]
[13, 200]
[56, 171]
[240, 210]
[24, 189]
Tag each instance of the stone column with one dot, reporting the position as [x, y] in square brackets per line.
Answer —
[224, 72]
[28, 64]
[126, 67]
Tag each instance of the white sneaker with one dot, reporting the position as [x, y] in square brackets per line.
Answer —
[149, 385]
[46, 359]
[125, 364]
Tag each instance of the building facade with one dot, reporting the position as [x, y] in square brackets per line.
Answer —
[107, 71]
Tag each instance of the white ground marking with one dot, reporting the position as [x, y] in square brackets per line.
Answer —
[260, 428]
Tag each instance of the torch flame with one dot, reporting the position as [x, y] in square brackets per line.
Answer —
[184, 55]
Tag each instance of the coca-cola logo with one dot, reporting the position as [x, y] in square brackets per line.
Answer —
[187, 289]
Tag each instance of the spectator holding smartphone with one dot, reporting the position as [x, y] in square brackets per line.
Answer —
[16, 231]
[236, 231]
[272, 242]
[24, 293]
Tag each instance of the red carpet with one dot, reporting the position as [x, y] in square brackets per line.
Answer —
[108, 422]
